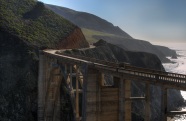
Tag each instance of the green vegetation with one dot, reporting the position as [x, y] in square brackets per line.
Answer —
[33, 23]
[75, 50]
[90, 33]
[67, 51]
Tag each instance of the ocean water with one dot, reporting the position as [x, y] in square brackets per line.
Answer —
[178, 67]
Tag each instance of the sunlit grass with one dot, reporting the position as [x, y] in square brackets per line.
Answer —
[90, 33]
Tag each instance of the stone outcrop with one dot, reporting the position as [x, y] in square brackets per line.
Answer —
[167, 52]
[135, 45]
[75, 39]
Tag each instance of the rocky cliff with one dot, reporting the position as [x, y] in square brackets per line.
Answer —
[166, 51]
[76, 39]
[96, 28]
[25, 27]
[109, 52]
[135, 45]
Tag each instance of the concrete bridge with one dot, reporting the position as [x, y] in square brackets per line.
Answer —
[92, 97]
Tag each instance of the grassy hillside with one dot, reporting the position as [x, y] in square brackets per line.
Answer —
[32, 22]
[89, 34]
[25, 27]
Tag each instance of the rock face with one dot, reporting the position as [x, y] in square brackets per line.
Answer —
[76, 39]
[109, 52]
[18, 75]
[135, 45]
[167, 52]
[25, 27]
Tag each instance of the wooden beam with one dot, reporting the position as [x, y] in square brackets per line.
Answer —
[164, 104]
[101, 79]
[172, 113]
[77, 95]
[147, 102]
[135, 98]
[84, 98]
[79, 90]
[71, 77]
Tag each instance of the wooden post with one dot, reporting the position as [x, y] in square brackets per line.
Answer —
[66, 69]
[71, 78]
[77, 94]
[127, 94]
[164, 104]
[41, 86]
[84, 99]
[147, 102]
[101, 79]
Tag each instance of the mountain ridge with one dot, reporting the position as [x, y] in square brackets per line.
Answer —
[92, 21]
[92, 35]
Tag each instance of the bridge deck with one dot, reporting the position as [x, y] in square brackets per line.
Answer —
[169, 80]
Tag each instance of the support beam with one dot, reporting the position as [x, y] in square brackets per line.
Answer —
[135, 98]
[77, 95]
[172, 113]
[71, 78]
[127, 107]
[41, 86]
[101, 79]
[147, 102]
[164, 104]
[121, 98]
[91, 95]
[84, 98]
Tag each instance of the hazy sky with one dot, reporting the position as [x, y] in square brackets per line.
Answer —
[152, 20]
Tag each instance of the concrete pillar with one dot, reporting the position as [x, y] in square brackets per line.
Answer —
[41, 86]
[164, 104]
[91, 91]
[147, 102]
[127, 94]
[121, 98]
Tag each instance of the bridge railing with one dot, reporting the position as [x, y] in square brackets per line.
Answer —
[137, 71]
[155, 76]
[94, 60]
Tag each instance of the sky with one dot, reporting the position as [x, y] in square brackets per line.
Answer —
[151, 20]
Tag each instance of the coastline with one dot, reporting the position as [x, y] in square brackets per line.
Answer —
[177, 66]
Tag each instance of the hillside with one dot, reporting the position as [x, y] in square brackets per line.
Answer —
[33, 23]
[95, 28]
[25, 27]
[88, 21]
[136, 45]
